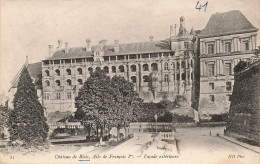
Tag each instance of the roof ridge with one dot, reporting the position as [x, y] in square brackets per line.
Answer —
[119, 44]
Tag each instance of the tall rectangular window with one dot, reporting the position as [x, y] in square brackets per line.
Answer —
[228, 69]
[211, 98]
[246, 45]
[228, 47]
[186, 45]
[165, 66]
[211, 86]
[58, 95]
[211, 70]
[68, 95]
[166, 78]
[46, 96]
[210, 48]
[228, 86]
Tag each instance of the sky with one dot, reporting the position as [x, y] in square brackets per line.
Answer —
[28, 27]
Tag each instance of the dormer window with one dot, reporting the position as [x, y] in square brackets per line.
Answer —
[211, 48]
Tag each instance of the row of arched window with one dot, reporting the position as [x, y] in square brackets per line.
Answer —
[68, 82]
[146, 78]
[68, 72]
[183, 76]
[183, 64]
[121, 68]
[133, 79]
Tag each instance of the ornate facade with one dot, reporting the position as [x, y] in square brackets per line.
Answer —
[167, 65]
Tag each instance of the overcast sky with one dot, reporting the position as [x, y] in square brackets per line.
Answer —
[28, 27]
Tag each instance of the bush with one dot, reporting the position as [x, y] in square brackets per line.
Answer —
[182, 119]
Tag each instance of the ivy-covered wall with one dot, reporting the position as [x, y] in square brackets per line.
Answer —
[244, 108]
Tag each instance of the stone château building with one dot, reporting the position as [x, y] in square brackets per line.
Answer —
[168, 63]
[195, 64]
[227, 39]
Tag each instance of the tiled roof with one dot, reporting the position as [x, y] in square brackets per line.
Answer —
[227, 23]
[124, 49]
[35, 71]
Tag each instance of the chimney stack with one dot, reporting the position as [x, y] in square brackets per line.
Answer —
[88, 45]
[50, 50]
[151, 38]
[116, 46]
[59, 44]
[66, 47]
[171, 31]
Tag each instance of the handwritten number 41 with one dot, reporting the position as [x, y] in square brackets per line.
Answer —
[205, 6]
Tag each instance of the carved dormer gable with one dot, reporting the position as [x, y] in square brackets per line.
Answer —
[99, 53]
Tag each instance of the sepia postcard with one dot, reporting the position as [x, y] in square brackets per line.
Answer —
[140, 81]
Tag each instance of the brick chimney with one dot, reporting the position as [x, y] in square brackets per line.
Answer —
[116, 46]
[66, 47]
[50, 50]
[88, 45]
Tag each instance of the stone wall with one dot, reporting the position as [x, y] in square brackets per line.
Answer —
[244, 112]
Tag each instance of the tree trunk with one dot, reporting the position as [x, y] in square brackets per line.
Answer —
[126, 134]
[118, 133]
[97, 132]
[101, 132]
[89, 129]
[109, 132]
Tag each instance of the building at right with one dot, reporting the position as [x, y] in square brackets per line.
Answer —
[227, 39]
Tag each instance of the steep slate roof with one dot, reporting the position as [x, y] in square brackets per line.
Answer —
[35, 71]
[124, 49]
[231, 22]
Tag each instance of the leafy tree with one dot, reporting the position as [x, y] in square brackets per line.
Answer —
[240, 66]
[95, 100]
[126, 102]
[27, 123]
[146, 112]
[107, 102]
